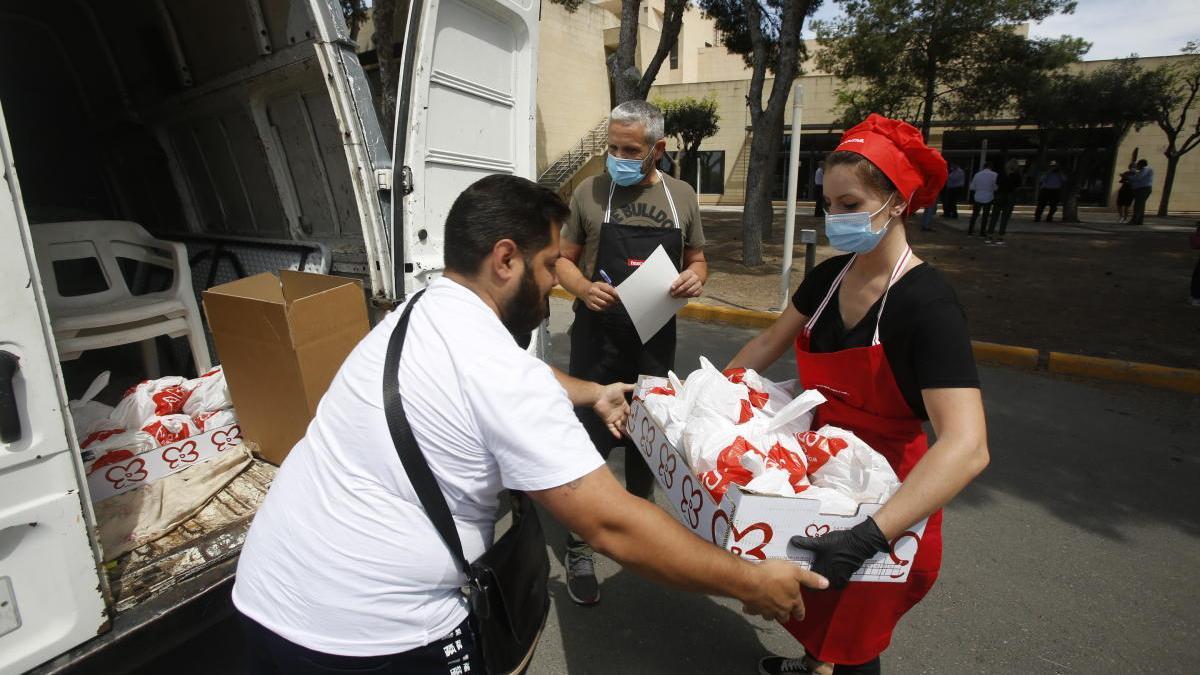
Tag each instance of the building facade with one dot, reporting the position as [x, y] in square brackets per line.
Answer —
[569, 105]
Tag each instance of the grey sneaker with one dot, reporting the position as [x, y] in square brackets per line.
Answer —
[776, 665]
[581, 578]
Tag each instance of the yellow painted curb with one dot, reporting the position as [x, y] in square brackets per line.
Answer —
[1180, 379]
[1005, 355]
[1163, 377]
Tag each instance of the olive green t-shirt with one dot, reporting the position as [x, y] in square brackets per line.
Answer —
[639, 205]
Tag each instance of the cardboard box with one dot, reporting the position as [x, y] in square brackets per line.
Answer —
[113, 478]
[281, 341]
[754, 526]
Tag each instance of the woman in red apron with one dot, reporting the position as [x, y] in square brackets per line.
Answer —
[882, 336]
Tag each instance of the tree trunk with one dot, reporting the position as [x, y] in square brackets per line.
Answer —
[1070, 193]
[622, 65]
[927, 106]
[389, 65]
[1168, 182]
[758, 214]
[767, 124]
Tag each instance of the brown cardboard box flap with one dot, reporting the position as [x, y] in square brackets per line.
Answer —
[282, 340]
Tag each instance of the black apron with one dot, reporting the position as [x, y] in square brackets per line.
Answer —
[605, 347]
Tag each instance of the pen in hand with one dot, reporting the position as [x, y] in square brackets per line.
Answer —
[607, 279]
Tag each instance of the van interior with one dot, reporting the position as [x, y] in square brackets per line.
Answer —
[205, 122]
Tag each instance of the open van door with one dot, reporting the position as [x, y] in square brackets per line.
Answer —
[50, 589]
[466, 108]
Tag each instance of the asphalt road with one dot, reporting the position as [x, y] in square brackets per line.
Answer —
[1075, 552]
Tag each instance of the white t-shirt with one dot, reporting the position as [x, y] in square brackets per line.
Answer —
[984, 186]
[819, 177]
[341, 557]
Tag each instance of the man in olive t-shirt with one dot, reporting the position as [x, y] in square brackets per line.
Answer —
[635, 195]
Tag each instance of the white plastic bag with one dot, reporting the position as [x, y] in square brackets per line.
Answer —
[89, 416]
[170, 428]
[832, 501]
[856, 471]
[135, 441]
[214, 419]
[148, 399]
[208, 392]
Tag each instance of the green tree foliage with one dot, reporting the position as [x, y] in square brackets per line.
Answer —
[1066, 106]
[951, 59]
[690, 121]
[1176, 115]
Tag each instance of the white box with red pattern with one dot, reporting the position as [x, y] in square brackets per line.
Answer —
[754, 526]
[112, 475]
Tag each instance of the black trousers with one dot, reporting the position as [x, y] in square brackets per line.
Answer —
[270, 654]
[950, 205]
[1140, 195]
[1047, 197]
[819, 199]
[605, 349]
[1196, 281]
[979, 209]
[871, 667]
[1002, 210]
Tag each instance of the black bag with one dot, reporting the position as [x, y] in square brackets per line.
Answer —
[506, 586]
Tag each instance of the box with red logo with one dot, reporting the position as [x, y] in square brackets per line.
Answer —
[123, 470]
[755, 526]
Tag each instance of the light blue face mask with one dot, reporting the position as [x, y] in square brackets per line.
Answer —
[626, 172]
[852, 233]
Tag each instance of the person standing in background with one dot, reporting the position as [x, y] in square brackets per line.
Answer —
[617, 220]
[955, 182]
[1142, 183]
[1049, 192]
[819, 190]
[983, 191]
[1006, 198]
[1125, 193]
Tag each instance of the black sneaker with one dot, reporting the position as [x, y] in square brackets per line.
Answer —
[775, 665]
[581, 578]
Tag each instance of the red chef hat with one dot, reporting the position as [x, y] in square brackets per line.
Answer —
[897, 148]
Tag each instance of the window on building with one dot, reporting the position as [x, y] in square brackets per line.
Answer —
[675, 56]
[707, 175]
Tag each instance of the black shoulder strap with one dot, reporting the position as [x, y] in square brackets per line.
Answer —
[419, 473]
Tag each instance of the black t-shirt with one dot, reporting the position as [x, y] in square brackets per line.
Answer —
[923, 331]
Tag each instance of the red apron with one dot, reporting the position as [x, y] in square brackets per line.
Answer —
[855, 625]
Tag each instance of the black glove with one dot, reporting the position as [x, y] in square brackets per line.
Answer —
[841, 553]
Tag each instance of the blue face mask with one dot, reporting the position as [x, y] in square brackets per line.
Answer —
[852, 233]
[626, 172]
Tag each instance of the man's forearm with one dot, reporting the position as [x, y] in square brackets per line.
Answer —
[571, 278]
[581, 392]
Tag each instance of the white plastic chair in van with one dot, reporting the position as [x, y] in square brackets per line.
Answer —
[91, 303]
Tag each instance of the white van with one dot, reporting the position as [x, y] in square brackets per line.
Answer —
[220, 123]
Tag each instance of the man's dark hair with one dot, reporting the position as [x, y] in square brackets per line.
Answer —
[1142, 163]
[500, 207]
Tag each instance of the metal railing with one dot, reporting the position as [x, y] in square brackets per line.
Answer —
[569, 163]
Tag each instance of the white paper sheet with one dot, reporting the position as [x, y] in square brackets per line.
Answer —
[646, 294]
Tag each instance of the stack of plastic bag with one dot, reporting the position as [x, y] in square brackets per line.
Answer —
[151, 413]
[737, 427]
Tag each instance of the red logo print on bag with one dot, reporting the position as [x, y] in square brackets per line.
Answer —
[183, 454]
[227, 439]
[170, 400]
[127, 474]
[97, 436]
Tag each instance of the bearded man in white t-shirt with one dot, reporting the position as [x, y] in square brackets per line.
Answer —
[342, 569]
